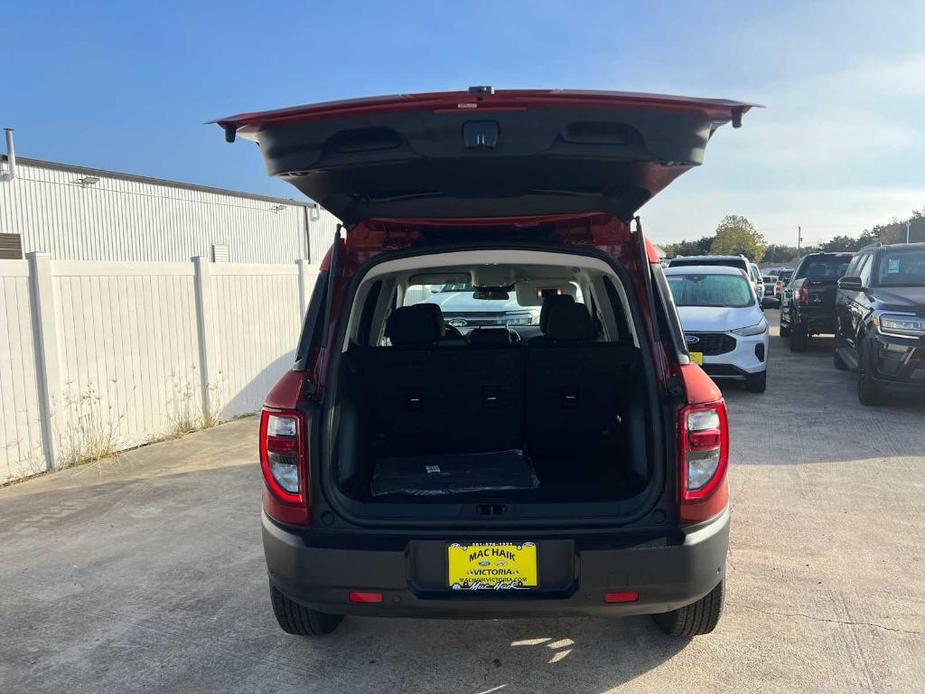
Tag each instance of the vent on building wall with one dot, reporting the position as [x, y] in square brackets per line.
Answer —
[10, 247]
[219, 253]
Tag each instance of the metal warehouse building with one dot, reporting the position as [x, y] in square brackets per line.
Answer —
[79, 213]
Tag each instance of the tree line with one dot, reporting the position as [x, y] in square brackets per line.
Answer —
[735, 234]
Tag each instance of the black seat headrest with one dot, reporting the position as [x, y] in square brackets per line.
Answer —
[548, 303]
[569, 321]
[421, 324]
[490, 336]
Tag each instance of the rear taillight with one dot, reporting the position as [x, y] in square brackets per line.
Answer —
[283, 460]
[703, 456]
[803, 295]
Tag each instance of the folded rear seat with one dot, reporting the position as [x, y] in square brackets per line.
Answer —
[427, 399]
[574, 386]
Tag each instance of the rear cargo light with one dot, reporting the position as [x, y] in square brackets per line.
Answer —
[364, 597]
[625, 596]
[803, 295]
[703, 456]
[283, 443]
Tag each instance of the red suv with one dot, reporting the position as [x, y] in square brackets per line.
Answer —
[551, 449]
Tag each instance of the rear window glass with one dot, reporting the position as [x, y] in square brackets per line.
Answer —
[904, 269]
[727, 291]
[465, 308]
[824, 267]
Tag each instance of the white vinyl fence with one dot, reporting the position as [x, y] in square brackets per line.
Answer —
[96, 357]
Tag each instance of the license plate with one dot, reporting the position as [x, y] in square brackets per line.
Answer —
[492, 566]
[697, 357]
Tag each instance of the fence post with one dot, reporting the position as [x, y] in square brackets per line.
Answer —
[46, 349]
[203, 279]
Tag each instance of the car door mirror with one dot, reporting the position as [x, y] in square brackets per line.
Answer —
[851, 283]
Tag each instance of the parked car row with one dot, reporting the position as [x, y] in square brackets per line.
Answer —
[874, 303]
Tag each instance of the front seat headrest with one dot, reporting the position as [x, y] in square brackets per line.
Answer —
[548, 303]
[569, 321]
[420, 324]
[490, 336]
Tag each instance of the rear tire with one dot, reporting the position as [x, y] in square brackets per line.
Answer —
[799, 338]
[695, 619]
[299, 620]
[756, 383]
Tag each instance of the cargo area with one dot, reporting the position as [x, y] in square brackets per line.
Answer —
[544, 400]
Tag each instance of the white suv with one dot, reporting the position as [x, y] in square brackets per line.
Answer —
[724, 326]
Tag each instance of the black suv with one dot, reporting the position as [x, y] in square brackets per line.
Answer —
[807, 304]
[881, 320]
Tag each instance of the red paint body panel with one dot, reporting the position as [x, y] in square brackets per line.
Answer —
[699, 387]
[502, 100]
[285, 394]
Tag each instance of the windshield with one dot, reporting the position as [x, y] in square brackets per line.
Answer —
[902, 269]
[824, 267]
[722, 262]
[726, 291]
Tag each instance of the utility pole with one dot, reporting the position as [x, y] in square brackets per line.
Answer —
[908, 224]
[799, 239]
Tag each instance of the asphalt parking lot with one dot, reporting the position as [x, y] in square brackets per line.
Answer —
[146, 573]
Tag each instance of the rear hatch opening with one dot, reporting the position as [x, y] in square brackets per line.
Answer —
[493, 384]
[580, 424]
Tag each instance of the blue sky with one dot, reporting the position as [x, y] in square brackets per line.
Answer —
[127, 86]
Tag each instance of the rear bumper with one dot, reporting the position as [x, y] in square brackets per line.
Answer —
[320, 570]
[817, 319]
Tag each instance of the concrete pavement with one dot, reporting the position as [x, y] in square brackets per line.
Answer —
[146, 574]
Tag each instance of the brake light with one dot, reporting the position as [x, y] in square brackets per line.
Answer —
[703, 457]
[803, 295]
[283, 461]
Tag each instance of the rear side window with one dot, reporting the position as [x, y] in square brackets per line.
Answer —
[902, 269]
[310, 339]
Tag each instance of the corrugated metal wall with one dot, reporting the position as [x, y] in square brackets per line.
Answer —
[126, 219]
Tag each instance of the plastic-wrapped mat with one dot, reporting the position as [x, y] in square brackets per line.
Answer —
[439, 475]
